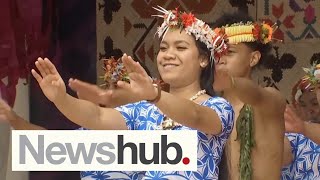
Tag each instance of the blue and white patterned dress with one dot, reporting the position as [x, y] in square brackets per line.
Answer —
[146, 116]
[306, 163]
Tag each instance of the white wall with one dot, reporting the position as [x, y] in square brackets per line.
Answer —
[21, 107]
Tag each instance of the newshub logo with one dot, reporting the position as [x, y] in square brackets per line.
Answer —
[73, 150]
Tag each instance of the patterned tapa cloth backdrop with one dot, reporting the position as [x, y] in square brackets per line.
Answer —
[299, 28]
[126, 26]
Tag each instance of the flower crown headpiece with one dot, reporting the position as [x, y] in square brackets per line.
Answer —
[249, 32]
[215, 41]
[313, 74]
[308, 81]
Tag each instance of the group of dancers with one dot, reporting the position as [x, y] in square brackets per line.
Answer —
[244, 131]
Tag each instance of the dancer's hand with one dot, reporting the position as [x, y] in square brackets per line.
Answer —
[91, 92]
[222, 79]
[293, 122]
[50, 80]
[6, 112]
[141, 85]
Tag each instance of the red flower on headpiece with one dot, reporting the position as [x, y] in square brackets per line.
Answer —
[269, 32]
[219, 32]
[188, 19]
[305, 83]
[262, 32]
[256, 31]
[176, 13]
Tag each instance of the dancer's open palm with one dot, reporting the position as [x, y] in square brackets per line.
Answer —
[141, 86]
[49, 80]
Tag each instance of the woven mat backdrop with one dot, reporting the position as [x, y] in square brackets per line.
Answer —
[126, 26]
[299, 29]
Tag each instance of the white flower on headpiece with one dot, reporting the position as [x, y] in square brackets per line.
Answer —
[306, 70]
[313, 74]
[317, 74]
[298, 95]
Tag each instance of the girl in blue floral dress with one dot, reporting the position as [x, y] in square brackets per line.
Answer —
[188, 51]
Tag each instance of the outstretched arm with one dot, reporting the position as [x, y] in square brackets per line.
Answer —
[251, 93]
[17, 122]
[312, 131]
[179, 109]
[79, 111]
[267, 99]
[89, 115]
[97, 95]
[191, 114]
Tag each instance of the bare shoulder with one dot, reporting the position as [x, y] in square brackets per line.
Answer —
[274, 93]
[273, 101]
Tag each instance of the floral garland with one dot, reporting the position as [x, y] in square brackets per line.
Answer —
[114, 71]
[248, 32]
[214, 40]
[313, 74]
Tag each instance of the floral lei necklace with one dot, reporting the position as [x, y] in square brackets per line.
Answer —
[168, 123]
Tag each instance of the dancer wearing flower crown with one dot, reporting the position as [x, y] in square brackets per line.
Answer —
[303, 115]
[303, 128]
[304, 95]
[185, 61]
[254, 149]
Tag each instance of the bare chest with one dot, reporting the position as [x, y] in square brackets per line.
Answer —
[265, 155]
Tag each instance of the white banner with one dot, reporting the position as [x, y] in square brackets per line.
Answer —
[97, 150]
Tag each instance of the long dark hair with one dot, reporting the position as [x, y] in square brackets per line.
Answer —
[207, 75]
